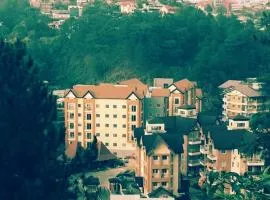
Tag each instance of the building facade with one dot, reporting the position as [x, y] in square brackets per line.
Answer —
[183, 93]
[243, 98]
[111, 112]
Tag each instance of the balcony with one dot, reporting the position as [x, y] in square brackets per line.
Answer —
[194, 163]
[204, 149]
[196, 140]
[194, 152]
[255, 162]
[211, 157]
[203, 162]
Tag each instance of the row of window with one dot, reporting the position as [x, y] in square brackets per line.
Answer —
[72, 135]
[163, 171]
[88, 135]
[114, 116]
[164, 184]
[71, 106]
[89, 116]
[114, 135]
[162, 157]
[114, 144]
[89, 126]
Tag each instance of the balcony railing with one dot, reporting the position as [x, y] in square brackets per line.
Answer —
[255, 162]
[211, 157]
[196, 140]
[193, 163]
[203, 149]
[203, 162]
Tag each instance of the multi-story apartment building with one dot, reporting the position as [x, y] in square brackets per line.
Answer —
[243, 98]
[185, 128]
[223, 148]
[111, 112]
[184, 93]
[159, 161]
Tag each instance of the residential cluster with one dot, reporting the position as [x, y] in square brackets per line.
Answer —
[164, 129]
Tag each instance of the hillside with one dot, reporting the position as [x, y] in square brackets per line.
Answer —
[104, 45]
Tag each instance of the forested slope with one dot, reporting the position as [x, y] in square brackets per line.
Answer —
[104, 45]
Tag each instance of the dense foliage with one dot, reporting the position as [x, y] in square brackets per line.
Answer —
[104, 45]
[30, 141]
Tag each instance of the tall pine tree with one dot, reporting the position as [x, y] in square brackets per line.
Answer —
[29, 141]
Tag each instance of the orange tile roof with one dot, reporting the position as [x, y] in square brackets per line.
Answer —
[160, 92]
[71, 150]
[109, 91]
[184, 84]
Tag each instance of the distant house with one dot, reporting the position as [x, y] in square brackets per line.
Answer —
[165, 9]
[60, 14]
[127, 6]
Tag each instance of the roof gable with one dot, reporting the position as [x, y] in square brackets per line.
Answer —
[70, 94]
[88, 95]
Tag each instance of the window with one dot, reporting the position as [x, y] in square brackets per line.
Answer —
[107, 115]
[124, 116]
[106, 144]
[71, 134]
[79, 124]
[114, 116]
[114, 135]
[223, 164]
[133, 127]
[71, 106]
[133, 118]
[176, 101]
[223, 151]
[115, 126]
[97, 134]
[164, 157]
[97, 115]
[114, 106]
[107, 106]
[71, 115]
[79, 144]
[97, 125]
[71, 125]
[107, 135]
[164, 171]
[133, 108]
[88, 135]
[155, 171]
[97, 105]
[79, 105]
[79, 114]
[124, 106]
[88, 116]
[70, 142]
[88, 126]
[124, 125]
[158, 105]
[88, 106]
[165, 85]
[79, 134]
[107, 125]
[240, 124]
[155, 157]
[154, 184]
[124, 135]
[164, 184]
[115, 144]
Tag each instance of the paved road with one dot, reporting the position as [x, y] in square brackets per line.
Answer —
[106, 174]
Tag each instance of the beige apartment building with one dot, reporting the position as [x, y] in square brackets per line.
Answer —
[184, 93]
[243, 98]
[159, 161]
[111, 112]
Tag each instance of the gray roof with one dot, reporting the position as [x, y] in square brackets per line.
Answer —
[241, 87]
[229, 83]
[174, 142]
